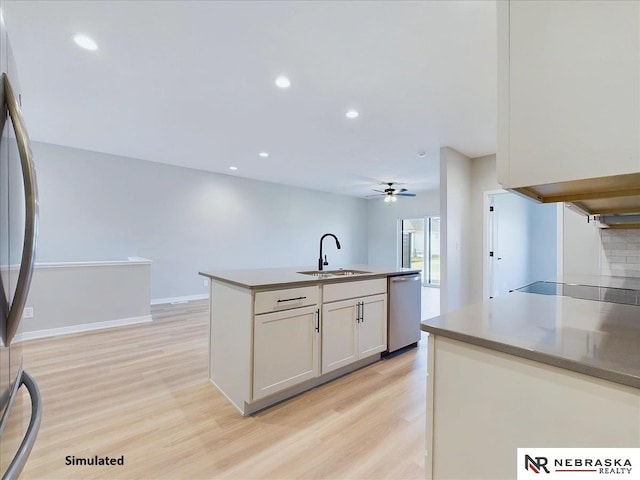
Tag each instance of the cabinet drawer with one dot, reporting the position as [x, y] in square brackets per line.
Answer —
[275, 300]
[362, 288]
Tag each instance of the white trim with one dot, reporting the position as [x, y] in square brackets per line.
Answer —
[85, 327]
[96, 263]
[399, 242]
[487, 273]
[183, 299]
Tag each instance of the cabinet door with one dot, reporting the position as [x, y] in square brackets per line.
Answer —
[339, 335]
[285, 350]
[372, 329]
[573, 89]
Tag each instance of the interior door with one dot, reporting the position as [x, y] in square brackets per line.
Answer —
[510, 248]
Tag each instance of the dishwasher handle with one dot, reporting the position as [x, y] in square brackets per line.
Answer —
[405, 278]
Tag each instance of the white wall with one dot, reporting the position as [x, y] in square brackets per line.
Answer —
[581, 245]
[383, 223]
[455, 238]
[95, 206]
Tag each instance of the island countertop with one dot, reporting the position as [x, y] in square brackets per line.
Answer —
[258, 278]
[599, 339]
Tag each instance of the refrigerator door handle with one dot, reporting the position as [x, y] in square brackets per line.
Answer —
[31, 213]
[18, 462]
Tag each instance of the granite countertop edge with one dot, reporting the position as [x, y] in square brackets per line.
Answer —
[537, 356]
[291, 278]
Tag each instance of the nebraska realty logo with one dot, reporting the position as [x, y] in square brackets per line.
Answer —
[583, 463]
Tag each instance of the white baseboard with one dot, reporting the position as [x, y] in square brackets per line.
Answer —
[86, 327]
[186, 298]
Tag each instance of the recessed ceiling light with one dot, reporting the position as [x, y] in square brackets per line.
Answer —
[233, 168]
[352, 114]
[85, 42]
[422, 154]
[283, 82]
[263, 154]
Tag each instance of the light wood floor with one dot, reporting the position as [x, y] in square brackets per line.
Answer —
[142, 391]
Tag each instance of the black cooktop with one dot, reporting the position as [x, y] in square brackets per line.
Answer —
[586, 292]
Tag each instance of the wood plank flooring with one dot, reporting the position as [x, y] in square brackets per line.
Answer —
[142, 391]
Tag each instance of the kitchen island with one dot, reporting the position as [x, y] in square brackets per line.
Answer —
[277, 332]
[530, 371]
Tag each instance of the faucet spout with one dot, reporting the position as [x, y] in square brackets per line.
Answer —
[321, 263]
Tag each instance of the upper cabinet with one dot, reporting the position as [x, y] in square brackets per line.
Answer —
[569, 100]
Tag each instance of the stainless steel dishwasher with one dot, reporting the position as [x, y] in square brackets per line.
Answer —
[404, 311]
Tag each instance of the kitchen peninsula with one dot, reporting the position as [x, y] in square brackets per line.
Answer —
[532, 371]
[277, 332]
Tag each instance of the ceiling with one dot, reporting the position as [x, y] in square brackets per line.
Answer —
[191, 83]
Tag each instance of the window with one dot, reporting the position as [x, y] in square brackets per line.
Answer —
[420, 247]
[432, 275]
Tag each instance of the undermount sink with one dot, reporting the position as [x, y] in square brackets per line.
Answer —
[333, 273]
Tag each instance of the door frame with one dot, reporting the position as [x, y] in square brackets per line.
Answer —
[399, 241]
[487, 240]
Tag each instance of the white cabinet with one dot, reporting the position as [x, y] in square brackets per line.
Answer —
[286, 298]
[270, 344]
[355, 328]
[339, 334]
[285, 349]
[568, 91]
[372, 328]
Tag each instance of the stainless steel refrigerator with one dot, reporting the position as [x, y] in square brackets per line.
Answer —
[18, 233]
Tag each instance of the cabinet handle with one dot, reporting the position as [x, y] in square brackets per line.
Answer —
[318, 320]
[357, 312]
[291, 299]
[362, 312]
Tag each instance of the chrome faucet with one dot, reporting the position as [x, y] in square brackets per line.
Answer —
[320, 261]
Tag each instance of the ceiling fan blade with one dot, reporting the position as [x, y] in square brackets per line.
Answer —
[402, 190]
[405, 194]
[379, 191]
[375, 195]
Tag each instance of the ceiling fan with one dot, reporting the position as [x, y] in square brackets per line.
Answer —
[391, 194]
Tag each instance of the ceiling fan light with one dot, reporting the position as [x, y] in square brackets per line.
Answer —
[85, 42]
[394, 198]
[283, 82]
[388, 198]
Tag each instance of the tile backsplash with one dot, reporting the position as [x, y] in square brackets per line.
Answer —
[620, 252]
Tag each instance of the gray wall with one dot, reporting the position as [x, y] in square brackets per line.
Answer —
[456, 243]
[95, 206]
[383, 223]
[543, 244]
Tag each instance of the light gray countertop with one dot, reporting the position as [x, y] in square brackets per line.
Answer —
[258, 278]
[595, 338]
